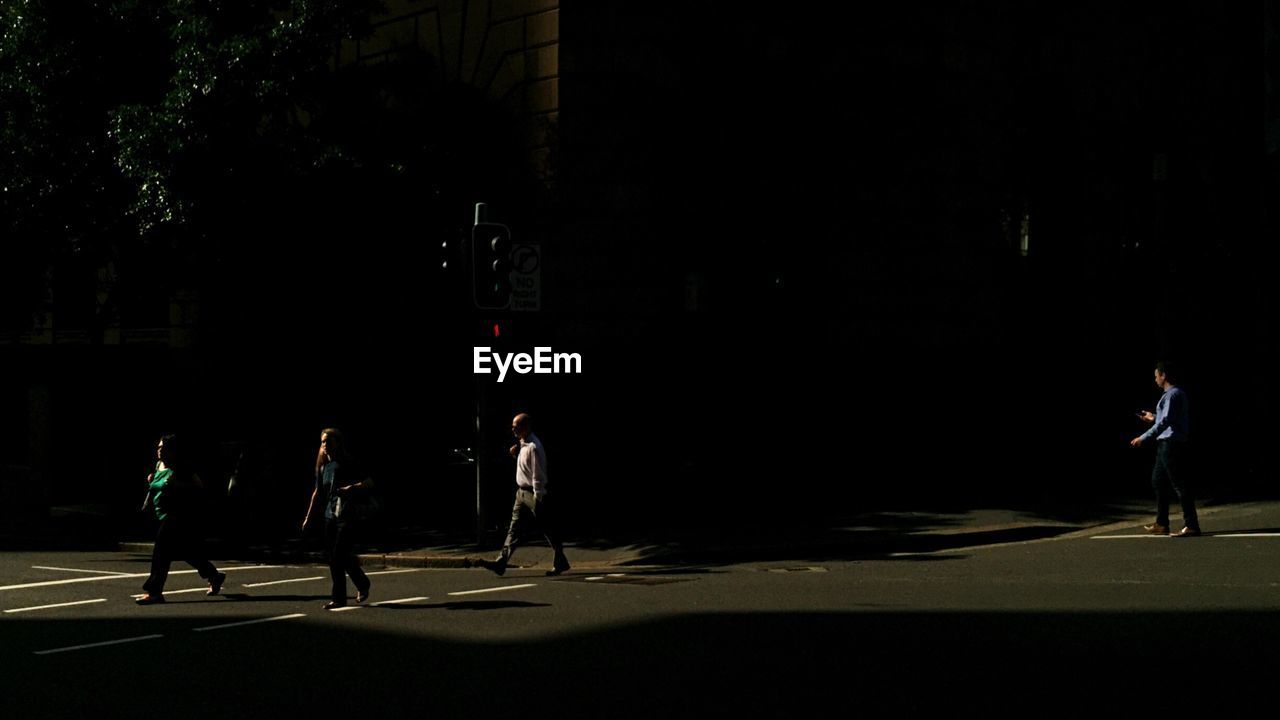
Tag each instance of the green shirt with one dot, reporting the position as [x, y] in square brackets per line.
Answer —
[160, 491]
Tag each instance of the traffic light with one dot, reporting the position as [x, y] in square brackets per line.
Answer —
[491, 265]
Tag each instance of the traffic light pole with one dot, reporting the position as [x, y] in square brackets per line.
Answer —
[482, 448]
[491, 289]
[481, 462]
[481, 454]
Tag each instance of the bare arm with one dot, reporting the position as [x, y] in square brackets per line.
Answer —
[146, 501]
[311, 506]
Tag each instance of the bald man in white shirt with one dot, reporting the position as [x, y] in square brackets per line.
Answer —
[531, 499]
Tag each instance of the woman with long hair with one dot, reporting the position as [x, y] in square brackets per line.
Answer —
[345, 490]
[173, 491]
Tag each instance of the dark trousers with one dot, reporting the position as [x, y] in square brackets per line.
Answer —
[177, 539]
[339, 542]
[529, 510]
[1169, 477]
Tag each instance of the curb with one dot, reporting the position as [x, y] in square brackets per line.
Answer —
[886, 544]
[418, 561]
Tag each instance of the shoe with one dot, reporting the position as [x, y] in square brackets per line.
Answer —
[149, 599]
[497, 567]
[332, 604]
[362, 595]
[215, 585]
[1156, 529]
[1187, 532]
[558, 569]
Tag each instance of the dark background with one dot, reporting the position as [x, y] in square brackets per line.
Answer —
[786, 245]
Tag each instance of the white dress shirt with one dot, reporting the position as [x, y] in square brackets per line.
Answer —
[531, 466]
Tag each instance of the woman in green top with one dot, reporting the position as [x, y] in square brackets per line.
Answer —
[172, 494]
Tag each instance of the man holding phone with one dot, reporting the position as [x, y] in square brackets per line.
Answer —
[1169, 428]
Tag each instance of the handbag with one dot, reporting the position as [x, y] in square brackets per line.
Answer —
[350, 508]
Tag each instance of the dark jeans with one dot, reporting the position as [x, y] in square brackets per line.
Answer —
[177, 539]
[339, 541]
[1170, 476]
[529, 510]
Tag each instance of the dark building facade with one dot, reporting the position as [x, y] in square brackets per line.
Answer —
[839, 256]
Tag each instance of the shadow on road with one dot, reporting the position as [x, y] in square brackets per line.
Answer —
[719, 665]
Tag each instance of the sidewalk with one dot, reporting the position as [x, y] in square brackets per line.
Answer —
[868, 536]
[863, 537]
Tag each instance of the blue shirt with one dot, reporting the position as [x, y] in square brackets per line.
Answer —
[332, 476]
[1171, 417]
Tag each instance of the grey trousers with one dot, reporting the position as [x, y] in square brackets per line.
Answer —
[529, 510]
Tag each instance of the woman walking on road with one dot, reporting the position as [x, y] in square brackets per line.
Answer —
[173, 492]
[348, 503]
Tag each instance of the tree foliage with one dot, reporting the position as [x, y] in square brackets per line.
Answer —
[188, 138]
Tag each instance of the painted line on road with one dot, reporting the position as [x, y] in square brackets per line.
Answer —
[1208, 535]
[49, 583]
[62, 569]
[250, 622]
[493, 590]
[394, 572]
[94, 645]
[176, 592]
[281, 582]
[66, 604]
[379, 604]
[401, 600]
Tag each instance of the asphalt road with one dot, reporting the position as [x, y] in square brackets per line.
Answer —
[1079, 626]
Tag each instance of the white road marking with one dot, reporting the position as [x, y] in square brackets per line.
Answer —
[1215, 535]
[66, 604]
[493, 590]
[251, 622]
[597, 577]
[176, 592]
[96, 572]
[379, 604]
[401, 600]
[280, 582]
[94, 645]
[48, 583]
[394, 572]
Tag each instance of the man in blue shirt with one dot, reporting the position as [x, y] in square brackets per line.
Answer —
[1169, 428]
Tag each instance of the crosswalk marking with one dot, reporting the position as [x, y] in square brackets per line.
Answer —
[250, 622]
[493, 590]
[58, 605]
[1207, 535]
[62, 569]
[72, 581]
[98, 644]
[281, 582]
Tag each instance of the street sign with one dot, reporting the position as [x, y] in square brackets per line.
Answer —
[526, 277]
